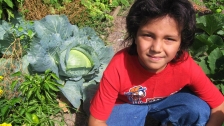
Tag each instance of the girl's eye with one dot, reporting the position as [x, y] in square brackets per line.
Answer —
[147, 35]
[170, 39]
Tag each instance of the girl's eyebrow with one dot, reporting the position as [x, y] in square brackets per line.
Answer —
[146, 31]
[151, 33]
[172, 36]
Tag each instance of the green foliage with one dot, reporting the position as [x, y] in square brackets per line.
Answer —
[8, 8]
[100, 9]
[216, 6]
[17, 30]
[210, 23]
[56, 3]
[125, 3]
[42, 88]
[14, 41]
[97, 13]
[97, 9]
[36, 104]
[207, 49]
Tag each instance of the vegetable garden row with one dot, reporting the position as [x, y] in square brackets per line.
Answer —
[42, 58]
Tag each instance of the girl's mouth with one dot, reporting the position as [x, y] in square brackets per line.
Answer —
[155, 58]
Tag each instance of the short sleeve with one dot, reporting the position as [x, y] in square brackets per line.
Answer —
[103, 101]
[203, 87]
[107, 93]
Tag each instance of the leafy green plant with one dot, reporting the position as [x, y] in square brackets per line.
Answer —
[216, 6]
[16, 30]
[41, 88]
[98, 14]
[211, 23]
[56, 3]
[207, 49]
[116, 3]
[97, 10]
[100, 9]
[36, 104]
[14, 41]
[77, 56]
[8, 8]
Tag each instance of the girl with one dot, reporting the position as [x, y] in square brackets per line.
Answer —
[155, 75]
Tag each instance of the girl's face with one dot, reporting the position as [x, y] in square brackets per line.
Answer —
[157, 43]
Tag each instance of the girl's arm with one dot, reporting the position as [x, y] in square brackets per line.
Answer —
[96, 122]
[217, 116]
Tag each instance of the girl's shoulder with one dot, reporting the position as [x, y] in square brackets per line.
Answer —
[187, 64]
[122, 60]
[123, 51]
[121, 55]
[186, 59]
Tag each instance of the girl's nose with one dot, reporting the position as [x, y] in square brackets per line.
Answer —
[156, 46]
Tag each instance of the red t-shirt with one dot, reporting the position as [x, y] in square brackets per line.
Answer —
[126, 81]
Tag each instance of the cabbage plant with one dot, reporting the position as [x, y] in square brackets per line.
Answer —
[77, 55]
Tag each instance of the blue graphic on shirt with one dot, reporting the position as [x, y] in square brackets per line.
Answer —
[136, 94]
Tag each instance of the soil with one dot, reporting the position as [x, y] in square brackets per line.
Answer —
[35, 10]
[118, 31]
